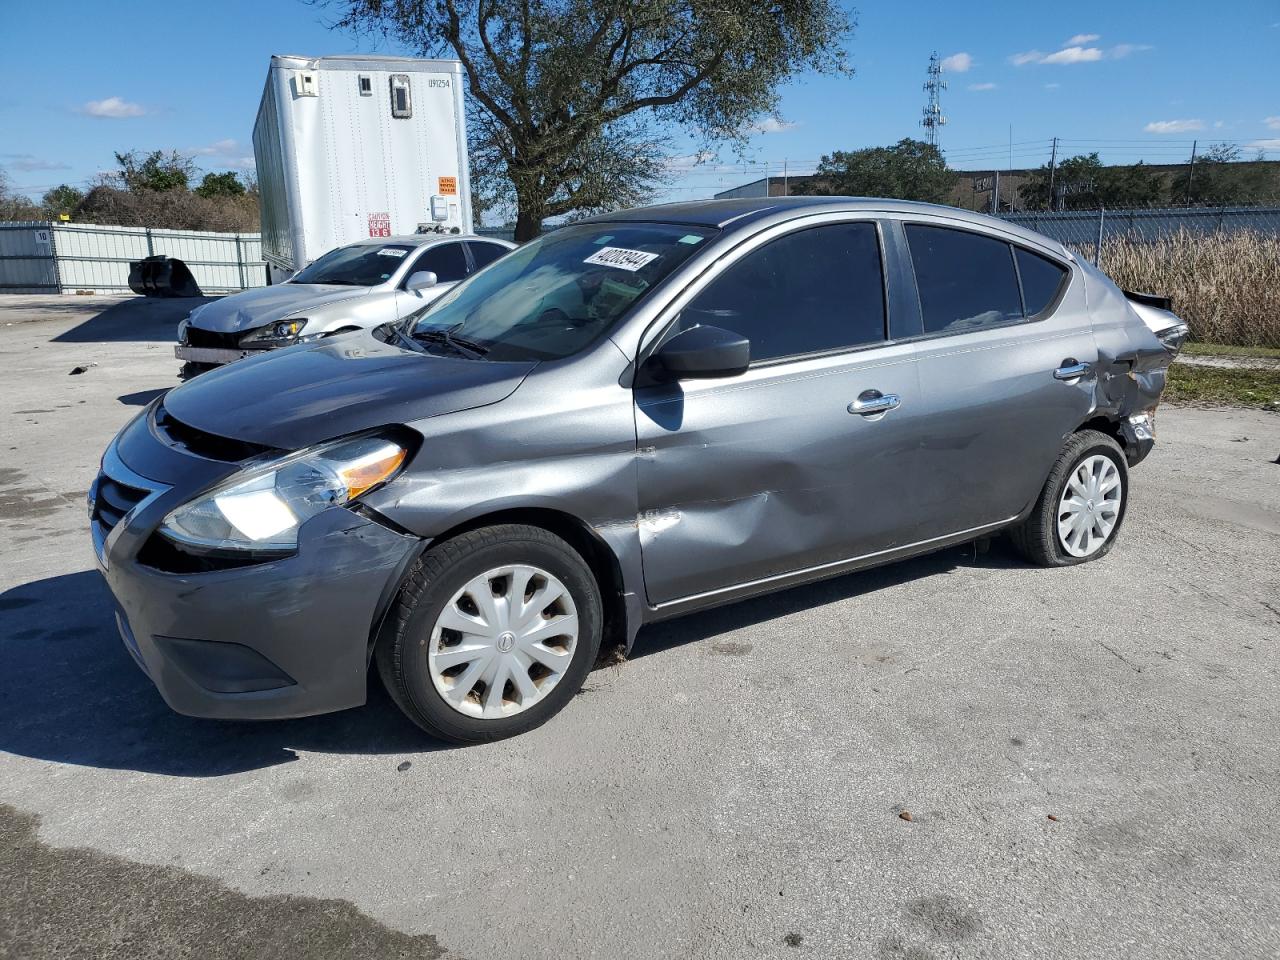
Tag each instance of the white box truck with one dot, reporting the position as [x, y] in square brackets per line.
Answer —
[352, 147]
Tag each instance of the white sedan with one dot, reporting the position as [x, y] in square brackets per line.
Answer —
[355, 287]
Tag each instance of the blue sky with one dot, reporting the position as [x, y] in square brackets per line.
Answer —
[1133, 80]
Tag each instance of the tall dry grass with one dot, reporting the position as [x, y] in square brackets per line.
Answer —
[1226, 286]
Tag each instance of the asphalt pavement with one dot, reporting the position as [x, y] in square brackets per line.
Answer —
[1089, 757]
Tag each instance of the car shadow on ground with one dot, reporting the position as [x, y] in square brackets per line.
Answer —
[69, 692]
[745, 614]
[145, 319]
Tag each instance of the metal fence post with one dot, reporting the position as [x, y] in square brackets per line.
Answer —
[1097, 250]
[151, 250]
[240, 261]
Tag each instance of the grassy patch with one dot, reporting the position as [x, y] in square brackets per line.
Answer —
[1227, 350]
[1241, 388]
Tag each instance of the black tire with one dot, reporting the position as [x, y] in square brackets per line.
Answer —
[1036, 538]
[444, 569]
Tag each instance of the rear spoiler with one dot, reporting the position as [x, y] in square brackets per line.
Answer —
[1151, 300]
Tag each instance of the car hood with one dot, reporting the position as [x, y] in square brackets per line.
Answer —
[263, 305]
[305, 394]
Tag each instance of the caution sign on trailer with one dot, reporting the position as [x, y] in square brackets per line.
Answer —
[379, 224]
[449, 186]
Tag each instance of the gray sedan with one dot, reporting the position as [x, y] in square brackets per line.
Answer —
[354, 287]
[629, 419]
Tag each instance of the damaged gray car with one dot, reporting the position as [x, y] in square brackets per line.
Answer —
[628, 419]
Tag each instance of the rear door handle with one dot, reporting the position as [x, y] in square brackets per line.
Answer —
[1072, 369]
[873, 401]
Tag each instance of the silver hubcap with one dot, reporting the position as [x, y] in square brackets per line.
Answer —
[503, 642]
[1090, 506]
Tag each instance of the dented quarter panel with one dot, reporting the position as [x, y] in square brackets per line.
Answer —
[1132, 362]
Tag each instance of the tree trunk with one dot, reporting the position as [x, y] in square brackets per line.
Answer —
[528, 224]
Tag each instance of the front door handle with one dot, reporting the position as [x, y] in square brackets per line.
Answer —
[873, 401]
[1072, 369]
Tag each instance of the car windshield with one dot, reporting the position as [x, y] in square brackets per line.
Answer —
[560, 293]
[360, 265]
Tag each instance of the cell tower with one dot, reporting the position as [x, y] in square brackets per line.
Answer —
[933, 118]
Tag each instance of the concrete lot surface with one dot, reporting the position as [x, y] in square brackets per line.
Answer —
[733, 791]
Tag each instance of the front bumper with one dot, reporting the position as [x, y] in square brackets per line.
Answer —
[285, 638]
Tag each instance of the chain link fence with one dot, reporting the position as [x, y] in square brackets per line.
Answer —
[1220, 265]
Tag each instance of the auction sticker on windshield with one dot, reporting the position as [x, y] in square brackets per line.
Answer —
[621, 257]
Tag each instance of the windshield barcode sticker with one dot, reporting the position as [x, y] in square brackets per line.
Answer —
[391, 252]
[622, 258]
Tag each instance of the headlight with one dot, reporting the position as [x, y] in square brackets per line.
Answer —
[282, 331]
[261, 510]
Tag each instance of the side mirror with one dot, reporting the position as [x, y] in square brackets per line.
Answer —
[701, 353]
[421, 280]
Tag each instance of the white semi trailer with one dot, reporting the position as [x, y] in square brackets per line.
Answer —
[353, 147]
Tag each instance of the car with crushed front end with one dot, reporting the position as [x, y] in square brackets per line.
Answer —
[628, 419]
[359, 286]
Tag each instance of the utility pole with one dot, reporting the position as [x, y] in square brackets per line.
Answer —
[1053, 166]
[995, 194]
[1191, 170]
[786, 187]
[933, 118]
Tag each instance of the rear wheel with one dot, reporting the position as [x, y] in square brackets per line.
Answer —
[493, 633]
[1078, 515]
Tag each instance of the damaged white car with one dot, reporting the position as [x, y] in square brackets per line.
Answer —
[355, 287]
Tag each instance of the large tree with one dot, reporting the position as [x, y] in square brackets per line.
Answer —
[571, 100]
[1083, 183]
[908, 170]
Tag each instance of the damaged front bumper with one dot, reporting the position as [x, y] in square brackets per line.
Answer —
[1139, 435]
[288, 637]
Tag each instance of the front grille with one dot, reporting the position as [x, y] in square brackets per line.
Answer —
[211, 338]
[114, 499]
[210, 446]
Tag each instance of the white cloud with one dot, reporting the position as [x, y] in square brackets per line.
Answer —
[1218, 124]
[1272, 123]
[1173, 126]
[978, 87]
[772, 125]
[224, 155]
[28, 163]
[113, 108]
[1075, 51]
[1052, 86]
[1074, 55]
[219, 148]
[957, 63]
[1122, 50]
[1272, 143]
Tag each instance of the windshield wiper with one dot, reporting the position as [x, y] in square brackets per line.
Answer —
[448, 336]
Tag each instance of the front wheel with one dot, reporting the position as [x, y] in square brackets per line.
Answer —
[1078, 515]
[493, 633]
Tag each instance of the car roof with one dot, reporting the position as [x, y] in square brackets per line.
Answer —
[739, 212]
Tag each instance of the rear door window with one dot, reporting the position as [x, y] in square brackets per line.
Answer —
[485, 253]
[966, 280]
[446, 261]
[1041, 280]
[811, 291]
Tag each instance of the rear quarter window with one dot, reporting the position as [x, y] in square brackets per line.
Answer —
[1042, 279]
